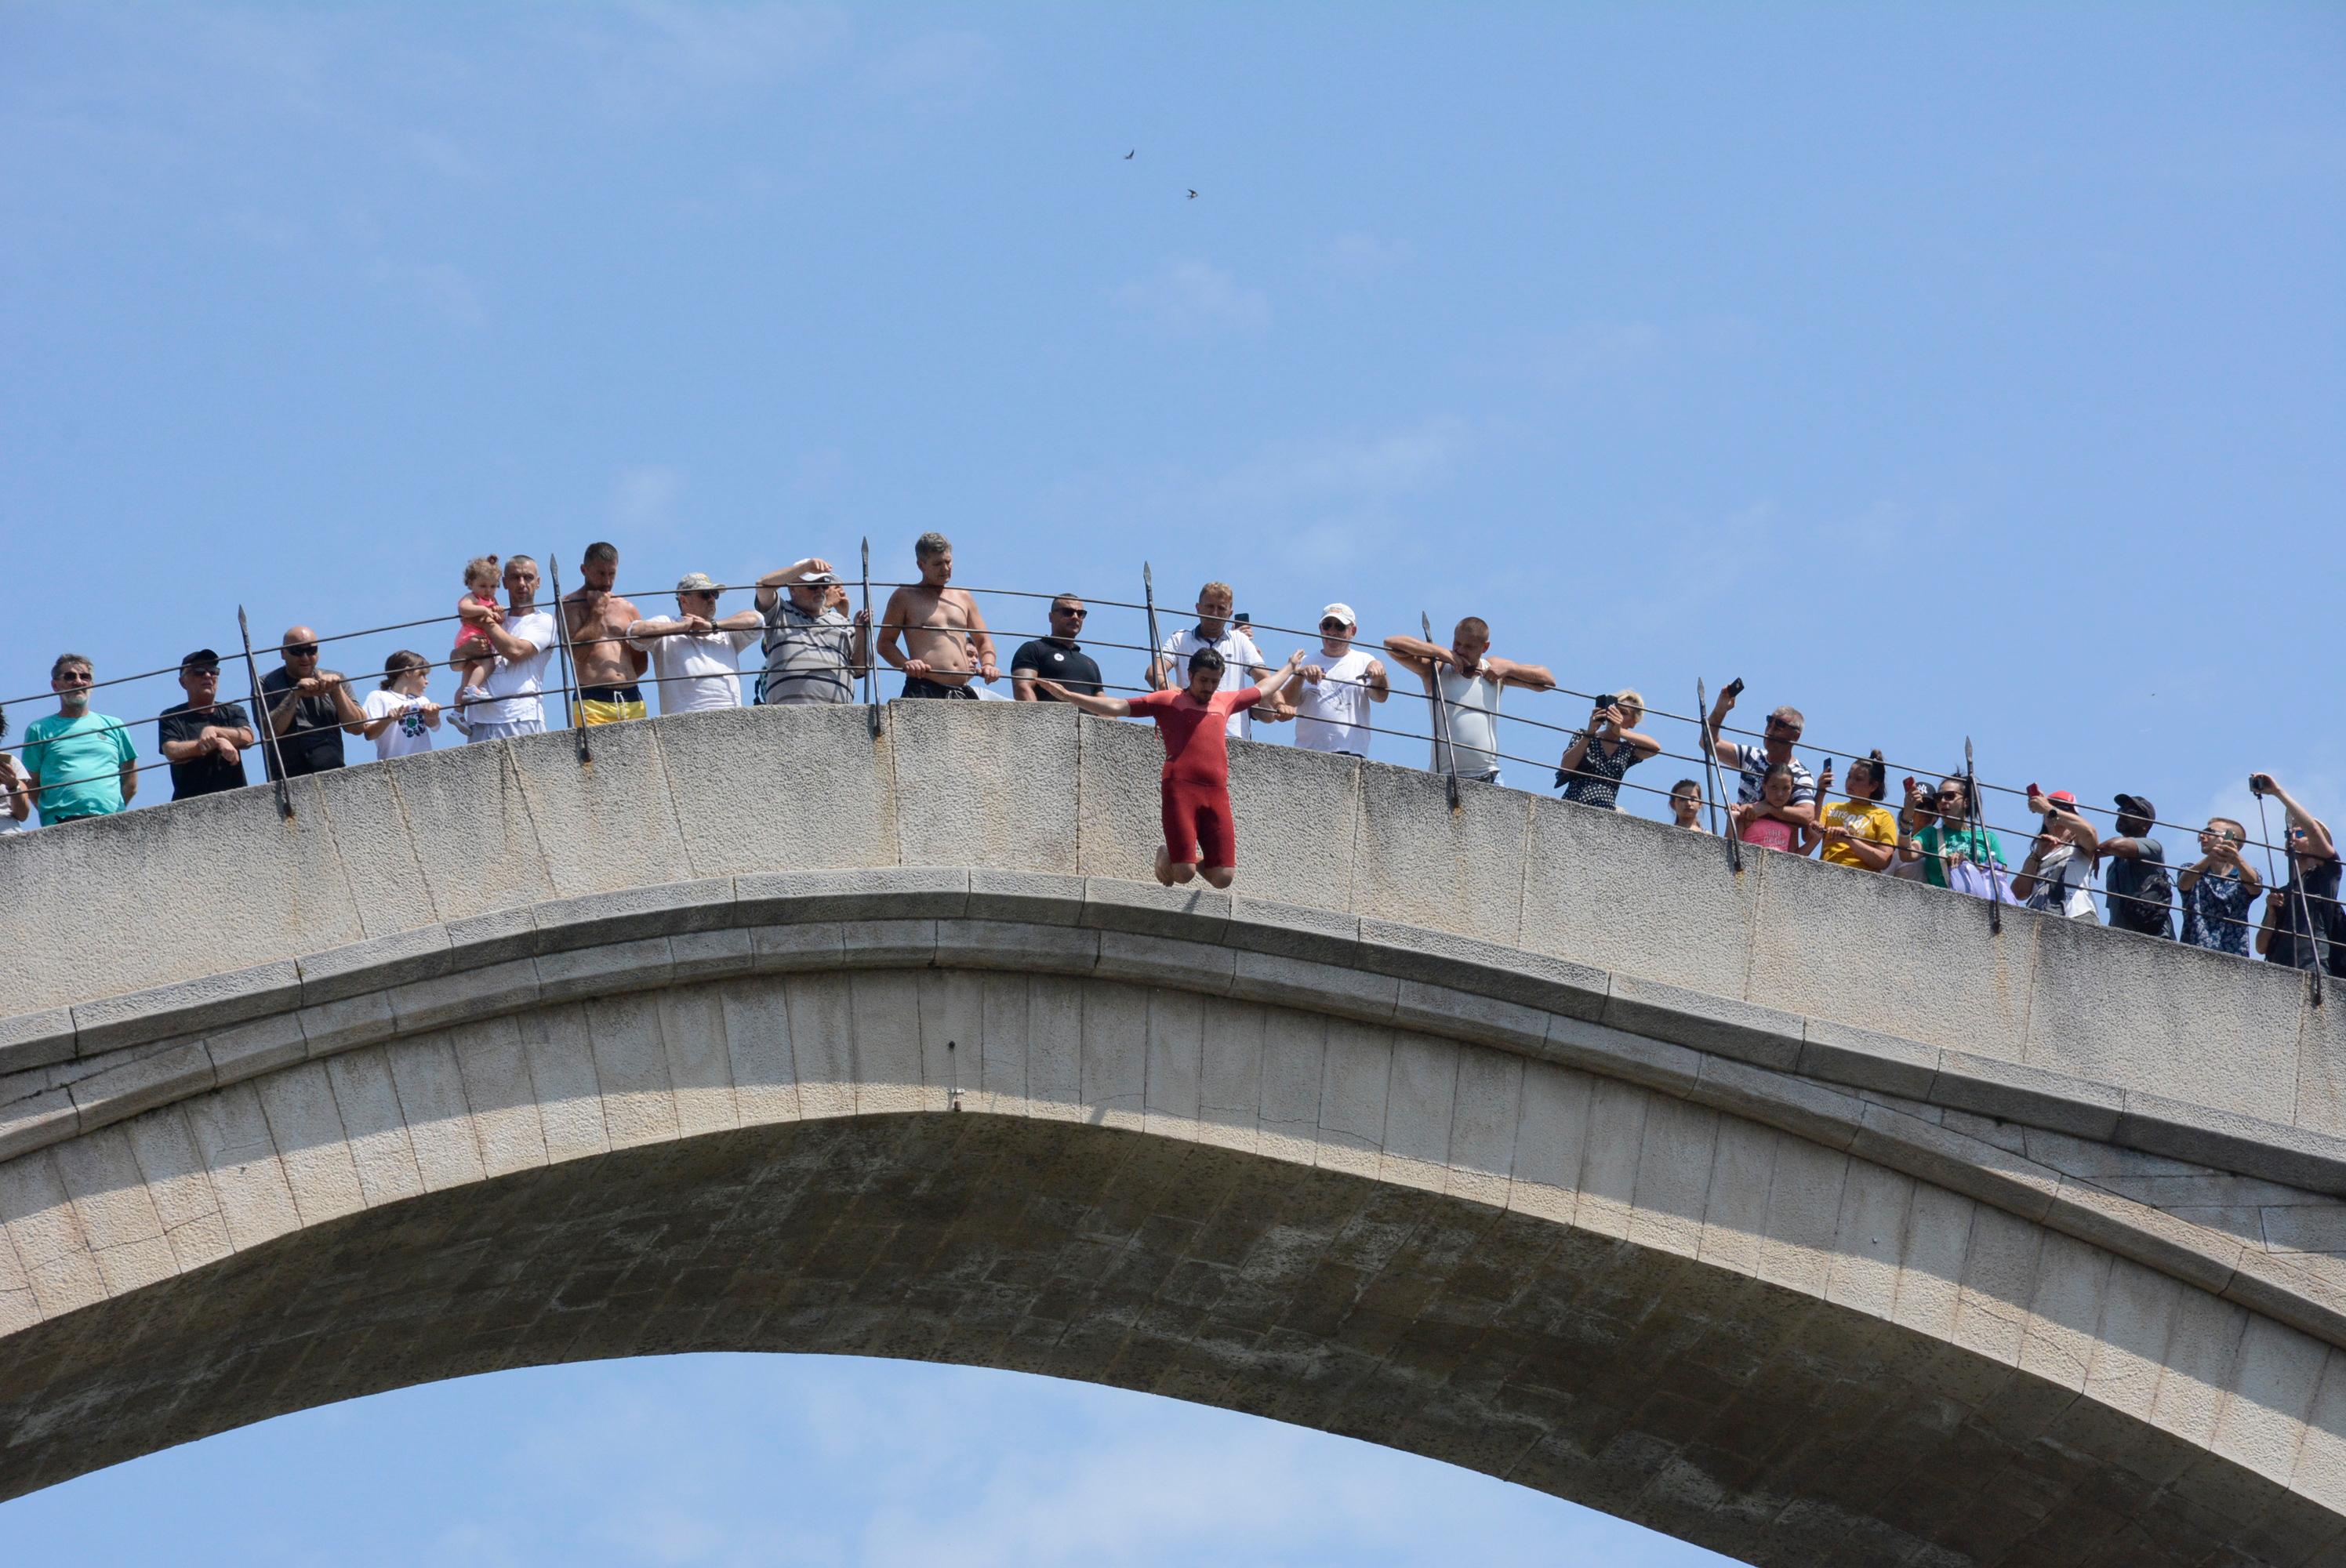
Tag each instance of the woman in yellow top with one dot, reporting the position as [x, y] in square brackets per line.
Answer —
[1857, 831]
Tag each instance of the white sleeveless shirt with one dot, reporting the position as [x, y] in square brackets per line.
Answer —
[1471, 720]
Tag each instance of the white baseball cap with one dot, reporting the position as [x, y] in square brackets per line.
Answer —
[1341, 613]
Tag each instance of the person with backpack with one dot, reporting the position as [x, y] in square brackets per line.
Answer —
[2135, 880]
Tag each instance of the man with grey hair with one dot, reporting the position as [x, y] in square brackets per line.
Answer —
[1752, 762]
[509, 702]
[943, 627]
[77, 763]
[696, 658]
[814, 652]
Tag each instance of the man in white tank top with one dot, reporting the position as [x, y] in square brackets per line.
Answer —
[1332, 712]
[1469, 681]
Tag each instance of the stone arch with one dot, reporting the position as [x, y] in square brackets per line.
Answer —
[1696, 1308]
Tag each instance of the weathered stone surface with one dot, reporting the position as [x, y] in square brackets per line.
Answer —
[1427, 1134]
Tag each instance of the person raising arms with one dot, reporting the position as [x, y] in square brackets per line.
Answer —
[1202, 837]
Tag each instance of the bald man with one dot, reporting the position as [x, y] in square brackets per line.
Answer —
[308, 707]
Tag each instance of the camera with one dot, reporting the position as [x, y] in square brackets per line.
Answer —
[1605, 702]
[2260, 784]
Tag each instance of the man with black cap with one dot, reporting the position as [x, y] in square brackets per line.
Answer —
[813, 653]
[204, 738]
[2135, 880]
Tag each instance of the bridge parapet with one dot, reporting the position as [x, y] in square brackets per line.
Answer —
[485, 1060]
[459, 838]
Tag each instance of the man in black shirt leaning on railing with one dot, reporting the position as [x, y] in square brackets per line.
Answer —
[308, 708]
[204, 738]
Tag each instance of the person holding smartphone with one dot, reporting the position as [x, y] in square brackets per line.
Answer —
[2219, 889]
[2300, 924]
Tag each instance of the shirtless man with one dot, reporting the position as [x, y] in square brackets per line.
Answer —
[607, 663]
[943, 626]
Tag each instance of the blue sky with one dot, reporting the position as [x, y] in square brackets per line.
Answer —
[1945, 371]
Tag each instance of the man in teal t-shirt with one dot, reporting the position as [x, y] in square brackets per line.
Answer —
[82, 763]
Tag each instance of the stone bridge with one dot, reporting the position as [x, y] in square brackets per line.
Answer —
[1793, 1213]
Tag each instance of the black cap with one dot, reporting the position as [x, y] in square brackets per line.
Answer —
[2135, 805]
[203, 657]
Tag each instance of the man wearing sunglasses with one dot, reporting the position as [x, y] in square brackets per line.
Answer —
[1332, 712]
[77, 763]
[1752, 762]
[2301, 918]
[204, 738]
[1057, 658]
[696, 658]
[308, 707]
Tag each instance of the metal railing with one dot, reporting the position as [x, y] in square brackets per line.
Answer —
[1711, 771]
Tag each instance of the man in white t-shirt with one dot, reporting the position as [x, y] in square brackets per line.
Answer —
[508, 703]
[1332, 712]
[696, 657]
[1242, 662]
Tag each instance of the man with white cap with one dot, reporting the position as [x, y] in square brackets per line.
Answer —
[696, 658]
[1331, 711]
[813, 653]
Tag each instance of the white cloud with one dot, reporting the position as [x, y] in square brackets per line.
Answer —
[937, 72]
[657, 54]
[441, 286]
[1611, 354]
[1364, 256]
[1194, 296]
[1287, 474]
[644, 500]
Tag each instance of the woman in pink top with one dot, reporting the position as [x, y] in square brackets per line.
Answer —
[1769, 832]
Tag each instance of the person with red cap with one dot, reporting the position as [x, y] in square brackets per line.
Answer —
[1202, 837]
[2059, 874]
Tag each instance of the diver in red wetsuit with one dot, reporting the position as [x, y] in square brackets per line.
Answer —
[1200, 835]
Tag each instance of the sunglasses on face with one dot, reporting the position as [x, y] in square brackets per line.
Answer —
[75, 678]
[300, 650]
[1332, 626]
[1069, 610]
[1776, 726]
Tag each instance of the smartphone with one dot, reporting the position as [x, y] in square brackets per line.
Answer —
[1734, 687]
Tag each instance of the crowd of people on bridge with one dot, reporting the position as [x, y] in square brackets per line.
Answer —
[1206, 684]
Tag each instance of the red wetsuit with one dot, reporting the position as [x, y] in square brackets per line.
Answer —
[1196, 787]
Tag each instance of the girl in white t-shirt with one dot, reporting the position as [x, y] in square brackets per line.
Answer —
[400, 718]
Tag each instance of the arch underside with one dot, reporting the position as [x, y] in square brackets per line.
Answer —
[1743, 1415]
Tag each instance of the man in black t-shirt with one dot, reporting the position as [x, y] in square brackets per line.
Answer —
[204, 738]
[2135, 880]
[308, 708]
[1055, 657]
